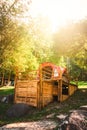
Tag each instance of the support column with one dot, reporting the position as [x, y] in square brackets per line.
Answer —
[60, 90]
[41, 89]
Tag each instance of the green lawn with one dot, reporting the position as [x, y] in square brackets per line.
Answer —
[82, 84]
[6, 90]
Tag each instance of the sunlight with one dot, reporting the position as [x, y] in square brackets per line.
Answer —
[59, 12]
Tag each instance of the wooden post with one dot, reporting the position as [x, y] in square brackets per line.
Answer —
[41, 89]
[60, 90]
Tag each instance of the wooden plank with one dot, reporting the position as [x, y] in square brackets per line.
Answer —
[72, 89]
[41, 89]
[47, 93]
[46, 77]
[30, 101]
[26, 92]
[64, 97]
[55, 90]
[60, 90]
[47, 70]
[47, 100]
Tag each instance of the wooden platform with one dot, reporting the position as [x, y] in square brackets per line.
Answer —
[40, 90]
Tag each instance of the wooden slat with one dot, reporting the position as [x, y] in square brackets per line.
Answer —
[55, 90]
[46, 77]
[60, 90]
[26, 92]
[72, 89]
[64, 97]
[47, 70]
[47, 93]
[30, 101]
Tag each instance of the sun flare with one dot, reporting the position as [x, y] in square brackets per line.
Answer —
[60, 12]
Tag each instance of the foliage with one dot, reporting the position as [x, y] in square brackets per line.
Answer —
[71, 43]
[23, 46]
[10, 33]
[82, 84]
[71, 40]
[42, 41]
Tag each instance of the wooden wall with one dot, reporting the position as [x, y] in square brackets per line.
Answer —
[72, 89]
[31, 92]
[47, 93]
[27, 92]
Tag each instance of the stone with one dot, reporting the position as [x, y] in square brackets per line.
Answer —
[61, 117]
[83, 107]
[77, 120]
[57, 107]
[7, 98]
[50, 115]
[70, 111]
[17, 110]
[4, 99]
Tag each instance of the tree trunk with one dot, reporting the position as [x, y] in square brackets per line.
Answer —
[2, 84]
[9, 77]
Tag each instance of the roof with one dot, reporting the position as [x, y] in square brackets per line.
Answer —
[57, 70]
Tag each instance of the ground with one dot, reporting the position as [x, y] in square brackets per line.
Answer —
[49, 113]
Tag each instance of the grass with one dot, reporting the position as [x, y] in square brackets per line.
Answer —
[82, 84]
[78, 99]
[6, 90]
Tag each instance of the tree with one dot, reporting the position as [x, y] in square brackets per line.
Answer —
[42, 39]
[71, 42]
[9, 32]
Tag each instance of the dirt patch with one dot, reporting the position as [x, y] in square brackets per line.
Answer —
[39, 125]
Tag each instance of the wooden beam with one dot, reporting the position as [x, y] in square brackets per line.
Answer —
[60, 90]
[41, 89]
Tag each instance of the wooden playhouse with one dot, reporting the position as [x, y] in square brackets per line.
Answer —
[47, 84]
